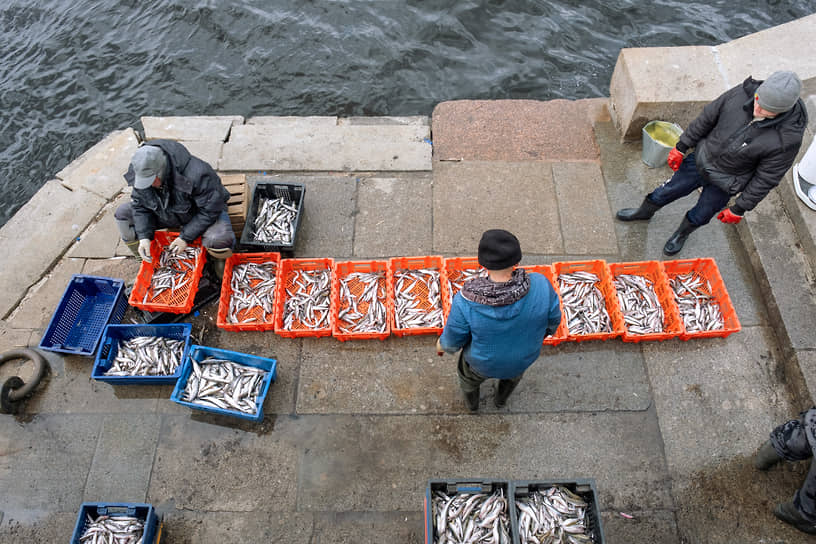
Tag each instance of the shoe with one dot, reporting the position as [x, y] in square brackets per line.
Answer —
[678, 239]
[503, 392]
[472, 400]
[788, 513]
[644, 213]
[766, 457]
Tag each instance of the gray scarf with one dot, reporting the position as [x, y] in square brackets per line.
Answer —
[487, 292]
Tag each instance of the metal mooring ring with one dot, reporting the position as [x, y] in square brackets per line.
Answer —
[14, 389]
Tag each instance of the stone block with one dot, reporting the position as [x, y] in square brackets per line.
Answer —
[40, 303]
[191, 128]
[276, 123]
[38, 234]
[419, 120]
[207, 150]
[185, 526]
[471, 197]
[343, 527]
[100, 240]
[100, 170]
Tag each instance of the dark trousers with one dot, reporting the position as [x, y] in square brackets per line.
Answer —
[470, 380]
[219, 235]
[683, 182]
[791, 443]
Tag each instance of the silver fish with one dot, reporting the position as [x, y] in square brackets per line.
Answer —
[118, 529]
[362, 302]
[698, 308]
[307, 302]
[147, 356]
[224, 384]
[172, 272]
[470, 517]
[639, 303]
[457, 279]
[253, 292]
[417, 299]
[553, 515]
[275, 221]
[584, 303]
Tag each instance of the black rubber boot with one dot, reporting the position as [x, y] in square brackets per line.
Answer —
[503, 392]
[644, 213]
[788, 513]
[678, 239]
[766, 457]
[472, 400]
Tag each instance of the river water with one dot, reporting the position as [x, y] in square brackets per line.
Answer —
[71, 71]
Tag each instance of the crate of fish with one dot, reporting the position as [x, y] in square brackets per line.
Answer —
[303, 298]
[122, 522]
[273, 216]
[88, 304]
[560, 334]
[646, 301]
[588, 300]
[459, 270]
[225, 382]
[169, 283]
[142, 354]
[360, 300]
[478, 507]
[419, 290]
[247, 301]
[556, 511]
[702, 301]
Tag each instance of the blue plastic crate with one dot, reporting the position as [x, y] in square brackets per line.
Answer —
[87, 306]
[452, 487]
[144, 512]
[583, 487]
[109, 349]
[202, 352]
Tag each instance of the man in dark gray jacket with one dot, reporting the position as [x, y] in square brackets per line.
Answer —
[744, 142]
[173, 189]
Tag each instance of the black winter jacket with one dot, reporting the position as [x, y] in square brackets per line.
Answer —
[191, 196]
[740, 156]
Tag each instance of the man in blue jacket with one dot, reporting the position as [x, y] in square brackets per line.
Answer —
[499, 321]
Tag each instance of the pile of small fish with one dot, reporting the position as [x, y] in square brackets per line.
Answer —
[275, 221]
[147, 356]
[457, 281]
[639, 304]
[366, 312]
[219, 383]
[308, 305]
[553, 516]
[412, 308]
[698, 308]
[253, 292]
[584, 304]
[471, 518]
[172, 271]
[118, 529]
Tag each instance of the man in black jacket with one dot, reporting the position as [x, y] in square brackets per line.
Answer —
[173, 189]
[744, 142]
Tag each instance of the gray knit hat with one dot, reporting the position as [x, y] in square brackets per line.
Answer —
[779, 92]
[148, 162]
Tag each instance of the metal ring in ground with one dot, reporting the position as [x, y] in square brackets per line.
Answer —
[18, 394]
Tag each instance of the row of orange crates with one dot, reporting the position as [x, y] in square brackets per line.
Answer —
[451, 273]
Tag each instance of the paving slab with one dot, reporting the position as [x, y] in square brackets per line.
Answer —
[471, 197]
[207, 150]
[100, 169]
[11, 338]
[393, 216]
[344, 527]
[345, 148]
[646, 526]
[202, 466]
[514, 130]
[214, 128]
[101, 239]
[186, 527]
[289, 122]
[53, 527]
[418, 120]
[586, 222]
[37, 308]
[60, 215]
[123, 268]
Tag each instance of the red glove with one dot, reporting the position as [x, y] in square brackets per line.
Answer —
[727, 216]
[675, 159]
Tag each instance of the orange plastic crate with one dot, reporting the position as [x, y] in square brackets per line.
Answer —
[599, 268]
[708, 269]
[434, 262]
[561, 332]
[261, 321]
[179, 302]
[454, 268]
[287, 271]
[343, 269]
[653, 271]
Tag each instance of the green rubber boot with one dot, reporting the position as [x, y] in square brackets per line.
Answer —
[218, 260]
[134, 247]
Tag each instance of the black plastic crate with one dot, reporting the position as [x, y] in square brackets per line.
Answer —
[583, 487]
[472, 485]
[292, 192]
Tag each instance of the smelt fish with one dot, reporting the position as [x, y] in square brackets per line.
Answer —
[554, 515]
[118, 529]
[470, 517]
[584, 304]
[417, 299]
[219, 383]
[362, 303]
[307, 300]
[698, 307]
[457, 279]
[172, 272]
[275, 222]
[147, 356]
[253, 293]
[642, 312]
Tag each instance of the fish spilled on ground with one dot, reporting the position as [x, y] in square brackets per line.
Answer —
[698, 308]
[147, 356]
[471, 518]
[113, 529]
[642, 312]
[584, 304]
[219, 383]
[417, 299]
[275, 222]
[308, 300]
[553, 516]
[362, 303]
[253, 293]
[171, 272]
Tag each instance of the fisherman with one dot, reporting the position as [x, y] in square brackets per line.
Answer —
[744, 142]
[499, 321]
[173, 189]
[794, 441]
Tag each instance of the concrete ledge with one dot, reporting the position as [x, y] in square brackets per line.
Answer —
[100, 169]
[190, 129]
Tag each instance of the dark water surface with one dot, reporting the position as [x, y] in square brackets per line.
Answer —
[71, 71]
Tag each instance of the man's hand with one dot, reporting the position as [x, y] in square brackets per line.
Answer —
[439, 350]
[727, 216]
[178, 246]
[144, 250]
[675, 159]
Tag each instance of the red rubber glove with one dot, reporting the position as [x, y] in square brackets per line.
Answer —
[675, 159]
[727, 216]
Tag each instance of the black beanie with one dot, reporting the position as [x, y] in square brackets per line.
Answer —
[499, 249]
